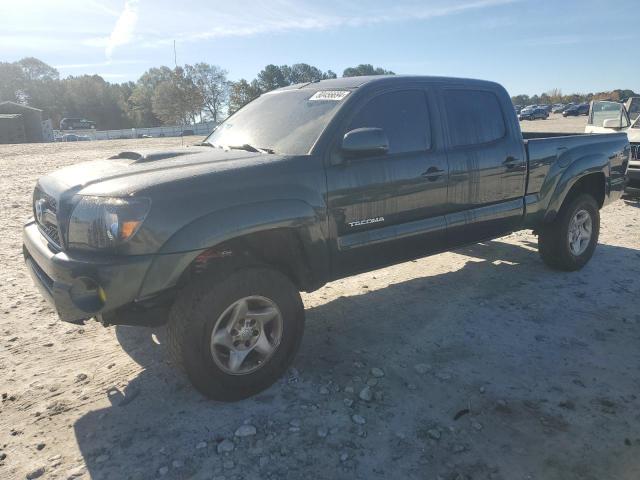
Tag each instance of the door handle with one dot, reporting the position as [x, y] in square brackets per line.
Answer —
[432, 174]
[511, 162]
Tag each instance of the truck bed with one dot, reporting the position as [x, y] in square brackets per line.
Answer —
[552, 157]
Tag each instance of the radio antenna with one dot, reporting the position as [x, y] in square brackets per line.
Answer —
[175, 62]
[175, 55]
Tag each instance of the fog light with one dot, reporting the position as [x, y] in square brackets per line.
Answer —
[87, 295]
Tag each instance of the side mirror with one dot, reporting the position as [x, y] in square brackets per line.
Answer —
[365, 141]
[612, 123]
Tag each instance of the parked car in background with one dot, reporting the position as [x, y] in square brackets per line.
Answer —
[76, 124]
[517, 108]
[217, 240]
[558, 108]
[582, 109]
[546, 108]
[606, 117]
[72, 137]
[533, 114]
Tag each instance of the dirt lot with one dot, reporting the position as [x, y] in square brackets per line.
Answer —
[480, 364]
[555, 123]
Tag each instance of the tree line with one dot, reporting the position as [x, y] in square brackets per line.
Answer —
[161, 96]
[556, 96]
[184, 94]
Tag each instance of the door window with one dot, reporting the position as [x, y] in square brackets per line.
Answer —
[473, 117]
[403, 117]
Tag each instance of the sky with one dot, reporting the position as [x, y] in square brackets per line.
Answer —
[530, 46]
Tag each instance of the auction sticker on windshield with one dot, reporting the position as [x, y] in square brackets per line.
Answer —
[335, 95]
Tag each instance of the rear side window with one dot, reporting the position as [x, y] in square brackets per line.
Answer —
[403, 117]
[473, 117]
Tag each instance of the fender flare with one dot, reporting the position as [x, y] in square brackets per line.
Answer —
[219, 226]
[578, 169]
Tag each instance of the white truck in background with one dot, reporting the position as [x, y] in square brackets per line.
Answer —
[633, 108]
[605, 117]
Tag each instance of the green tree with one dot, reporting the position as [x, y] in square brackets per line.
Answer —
[304, 73]
[177, 100]
[271, 77]
[365, 69]
[140, 102]
[37, 70]
[12, 82]
[241, 93]
[212, 85]
[91, 97]
[521, 100]
[42, 87]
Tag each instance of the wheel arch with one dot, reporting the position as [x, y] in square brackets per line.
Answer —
[587, 175]
[287, 235]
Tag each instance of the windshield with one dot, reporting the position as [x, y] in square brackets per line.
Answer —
[288, 121]
[634, 108]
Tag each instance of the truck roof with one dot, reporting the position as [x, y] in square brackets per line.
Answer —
[356, 82]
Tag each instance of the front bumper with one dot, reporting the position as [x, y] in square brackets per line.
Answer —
[82, 286]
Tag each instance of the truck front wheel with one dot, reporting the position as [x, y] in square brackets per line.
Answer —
[569, 241]
[235, 336]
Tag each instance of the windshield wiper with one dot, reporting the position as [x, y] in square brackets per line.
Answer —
[250, 148]
[246, 147]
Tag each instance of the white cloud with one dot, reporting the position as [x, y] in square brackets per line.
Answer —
[246, 18]
[108, 25]
[106, 63]
[123, 30]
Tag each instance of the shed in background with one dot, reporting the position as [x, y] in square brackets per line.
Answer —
[31, 119]
[12, 128]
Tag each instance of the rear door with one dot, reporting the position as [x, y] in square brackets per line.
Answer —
[487, 165]
[390, 207]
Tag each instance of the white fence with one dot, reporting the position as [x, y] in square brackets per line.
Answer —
[203, 129]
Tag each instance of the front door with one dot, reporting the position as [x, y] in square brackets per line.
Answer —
[384, 208]
[487, 165]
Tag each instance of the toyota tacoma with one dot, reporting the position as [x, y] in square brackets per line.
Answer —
[305, 185]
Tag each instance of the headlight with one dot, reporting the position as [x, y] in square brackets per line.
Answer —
[105, 222]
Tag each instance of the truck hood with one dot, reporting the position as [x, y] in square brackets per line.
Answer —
[128, 172]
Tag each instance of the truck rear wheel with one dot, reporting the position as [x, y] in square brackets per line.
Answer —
[235, 336]
[569, 241]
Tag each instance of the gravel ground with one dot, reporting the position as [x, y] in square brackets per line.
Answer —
[555, 123]
[475, 364]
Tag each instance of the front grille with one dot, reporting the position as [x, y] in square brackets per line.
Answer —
[51, 233]
[635, 151]
[45, 209]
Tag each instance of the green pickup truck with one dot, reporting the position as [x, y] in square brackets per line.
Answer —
[305, 185]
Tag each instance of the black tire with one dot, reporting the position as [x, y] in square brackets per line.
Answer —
[193, 317]
[553, 239]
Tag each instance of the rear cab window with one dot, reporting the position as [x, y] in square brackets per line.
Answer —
[474, 117]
